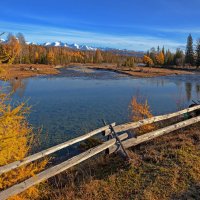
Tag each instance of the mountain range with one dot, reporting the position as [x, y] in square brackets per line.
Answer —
[85, 47]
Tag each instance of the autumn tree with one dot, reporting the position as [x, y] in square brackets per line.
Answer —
[16, 138]
[189, 54]
[98, 57]
[10, 50]
[36, 57]
[50, 58]
[148, 61]
[129, 62]
[22, 42]
[160, 58]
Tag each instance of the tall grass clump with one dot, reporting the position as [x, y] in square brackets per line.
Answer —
[140, 110]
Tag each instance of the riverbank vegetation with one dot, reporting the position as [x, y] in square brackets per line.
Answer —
[16, 141]
[165, 58]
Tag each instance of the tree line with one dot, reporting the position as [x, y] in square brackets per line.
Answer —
[16, 51]
[162, 57]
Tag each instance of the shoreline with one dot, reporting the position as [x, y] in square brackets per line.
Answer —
[140, 72]
[20, 71]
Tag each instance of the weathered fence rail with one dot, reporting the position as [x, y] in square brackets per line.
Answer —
[112, 145]
[51, 150]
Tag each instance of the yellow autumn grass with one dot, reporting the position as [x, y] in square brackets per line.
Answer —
[139, 111]
[16, 138]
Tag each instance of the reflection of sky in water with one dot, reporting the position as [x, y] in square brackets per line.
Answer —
[75, 101]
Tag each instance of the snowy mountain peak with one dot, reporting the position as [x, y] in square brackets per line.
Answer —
[72, 46]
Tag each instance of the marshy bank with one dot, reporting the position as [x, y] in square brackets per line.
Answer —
[20, 71]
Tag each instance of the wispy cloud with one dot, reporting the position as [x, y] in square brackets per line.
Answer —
[38, 33]
[186, 30]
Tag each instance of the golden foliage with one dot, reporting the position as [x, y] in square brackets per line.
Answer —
[36, 57]
[147, 60]
[50, 57]
[98, 56]
[141, 111]
[10, 50]
[160, 58]
[15, 141]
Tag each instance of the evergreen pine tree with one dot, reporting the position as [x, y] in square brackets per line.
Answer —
[198, 53]
[163, 50]
[189, 55]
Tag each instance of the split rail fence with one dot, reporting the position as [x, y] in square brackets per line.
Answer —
[118, 139]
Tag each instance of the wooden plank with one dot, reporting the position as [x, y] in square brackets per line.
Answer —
[16, 189]
[154, 134]
[51, 150]
[132, 125]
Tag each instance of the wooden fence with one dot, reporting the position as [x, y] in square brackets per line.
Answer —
[115, 143]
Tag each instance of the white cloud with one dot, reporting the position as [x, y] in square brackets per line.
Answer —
[36, 33]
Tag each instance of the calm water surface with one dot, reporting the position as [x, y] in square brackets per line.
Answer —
[76, 101]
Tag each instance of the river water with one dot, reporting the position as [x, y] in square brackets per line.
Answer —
[75, 101]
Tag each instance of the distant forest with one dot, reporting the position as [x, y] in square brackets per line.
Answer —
[162, 57]
[15, 51]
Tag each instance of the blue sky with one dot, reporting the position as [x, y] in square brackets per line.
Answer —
[131, 24]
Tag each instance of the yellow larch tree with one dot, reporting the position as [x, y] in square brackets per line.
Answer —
[16, 138]
[10, 50]
[160, 58]
[36, 57]
[50, 57]
[147, 60]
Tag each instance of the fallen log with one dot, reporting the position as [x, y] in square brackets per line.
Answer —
[154, 134]
[51, 150]
[42, 176]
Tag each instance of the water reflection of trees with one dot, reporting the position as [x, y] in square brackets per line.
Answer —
[188, 85]
[18, 86]
[188, 90]
[197, 90]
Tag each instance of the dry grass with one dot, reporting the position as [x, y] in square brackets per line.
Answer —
[8, 72]
[137, 71]
[165, 168]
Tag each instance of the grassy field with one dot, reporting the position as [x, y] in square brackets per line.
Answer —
[165, 168]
